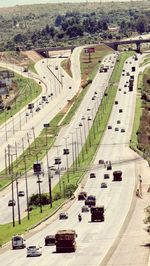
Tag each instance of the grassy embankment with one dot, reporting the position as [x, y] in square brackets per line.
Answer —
[6, 231]
[25, 91]
[140, 133]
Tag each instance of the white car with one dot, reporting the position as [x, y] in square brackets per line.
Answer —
[34, 251]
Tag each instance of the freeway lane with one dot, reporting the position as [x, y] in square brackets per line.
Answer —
[37, 119]
[100, 83]
[94, 239]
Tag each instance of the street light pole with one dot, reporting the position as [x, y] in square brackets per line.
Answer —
[66, 152]
[83, 119]
[80, 125]
[39, 182]
[49, 181]
[72, 144]
[18, 203]
[89, 119]
[78, 159]
[26, 182]
[12, 190]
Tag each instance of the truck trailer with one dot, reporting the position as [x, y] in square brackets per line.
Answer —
[97, 214]
[117, 176]
[65, 241]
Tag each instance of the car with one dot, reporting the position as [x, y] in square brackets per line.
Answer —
[118, 121]
[46, 101]
[125, 85]
[128, 74]
[11, 203]
[40, 103]
[50, 240]
[27, 114]
[63, 216]
[106, 176]
[70, 87]
[124, 92]
[119, 89]
[93, 98]
[56, 67]
[85, 208]
[116, 102]
[116, 129]
[120, 110]
[103, 185]
[92, 175]
[34, 251]
[122, 74]
[37, 109]
[21, 193]
[122, 130]
[101, 162]
[82, 195]
[109, 127]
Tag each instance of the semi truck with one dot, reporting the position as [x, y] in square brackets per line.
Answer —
[18, 242]
[97, 214]
[65, 241]
[117, 176]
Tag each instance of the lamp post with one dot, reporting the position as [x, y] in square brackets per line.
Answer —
[46, 126]
[12, 190]
[80, 126]
[93, 121]
[89, 119]
[83, 119]
[72, 144]
[78, 153]
[39, 181]
[66, 152]
[18, 202]
[58, 162]
[49, 181]
[26, 182]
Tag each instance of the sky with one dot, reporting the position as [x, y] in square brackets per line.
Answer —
[6, 3]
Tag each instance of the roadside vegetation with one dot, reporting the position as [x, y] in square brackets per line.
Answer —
[67, 185]
[24, 90]
[140, 139]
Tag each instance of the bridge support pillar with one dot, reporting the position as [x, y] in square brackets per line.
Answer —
[138, 47]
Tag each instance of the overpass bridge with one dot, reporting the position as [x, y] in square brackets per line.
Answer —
[46, 50]
[114, 44]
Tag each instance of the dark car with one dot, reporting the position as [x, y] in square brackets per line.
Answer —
[63, 216]
[21, 193]
[109, 127]
[116, 129]
[11, 203]
[82, 195]
[37, 109]
[118, 121]
[92, 175]
[120, 110]
[50, 240]
[103, 185]
[116, 102]
[123, 130]
[85, 208]
[106, 176]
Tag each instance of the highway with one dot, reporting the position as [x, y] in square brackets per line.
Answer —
[95, 239]
[67, 133]
[17, 128]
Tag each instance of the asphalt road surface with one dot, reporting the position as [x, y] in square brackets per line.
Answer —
[95, 239]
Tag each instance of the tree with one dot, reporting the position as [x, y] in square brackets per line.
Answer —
[20, 38]
[142, 24]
